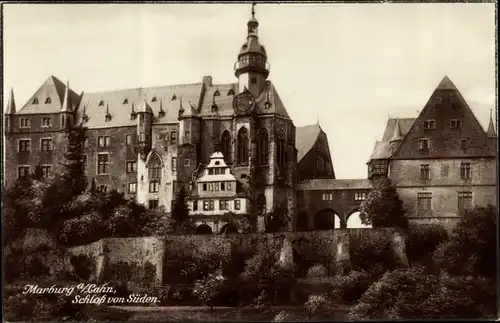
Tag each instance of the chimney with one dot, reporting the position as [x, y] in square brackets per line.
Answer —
[207, 80]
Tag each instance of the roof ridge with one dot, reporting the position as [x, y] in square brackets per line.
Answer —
[145, 87]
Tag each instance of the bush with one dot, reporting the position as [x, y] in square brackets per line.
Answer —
[350, 288]
[373, 250]
[423, 240]
[417, 293]
[319, 306]
[83, 265]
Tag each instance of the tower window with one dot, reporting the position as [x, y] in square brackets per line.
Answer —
[187, 162]
[154, 167]
[262, 147]
[253, 80]
[174, 164]
[225, 145]
[103, 188]
[131, 167]
[216, 93]
[280, 149]
[132, 188]
[174, 97]
[128, 139]
[154, 187]
[48, 100]
[173, 137]
[195, 205]
[243, 146]
[125, 101]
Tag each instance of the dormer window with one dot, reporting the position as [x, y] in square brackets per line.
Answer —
[48, 100]
[101, 103]
[455, 124]
[174, 97]
[216, 93]
[85, 118]
[424, 144]
[133, 116]
[153, 99]
[108, 117]
[214, 107]
[429, 124]
[217, 163]
[161, 114]
[230, 92]
[35, 101]
[125, 101]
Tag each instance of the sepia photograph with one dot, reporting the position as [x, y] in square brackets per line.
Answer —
[249, 162]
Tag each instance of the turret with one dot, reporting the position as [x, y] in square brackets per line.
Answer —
[396, 138]
[66, 112]
[252, 68]
[144, 129]
[189, 124]
[492, 135]
[11, 110]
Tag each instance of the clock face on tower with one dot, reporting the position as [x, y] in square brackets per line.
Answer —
[243, 103]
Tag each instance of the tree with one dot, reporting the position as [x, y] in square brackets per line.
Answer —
[73, 174]
[180, 212]
[471, 249]
[383, 207]
[277, 219]
[207, 290]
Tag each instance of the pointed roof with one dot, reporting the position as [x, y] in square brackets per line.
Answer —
[66, 106]
[11, 106]
[397, 136]
[491, 129]
[190, 111]
[54, 89]
[446, 84]
[305, 138]
[143, 108]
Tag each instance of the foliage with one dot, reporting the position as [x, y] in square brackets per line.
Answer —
[383, 207]
[372, 251]
[422, 241]
[317, 270]
[417, 293]
[73, 175]
[180, 212]
[471, 249]
[283, 316]
[208, 289]
[83, 265]
[351, 287]
[277, 219]
[319, 306]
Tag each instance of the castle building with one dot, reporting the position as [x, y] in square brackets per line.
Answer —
[441, 162]
[145, 142]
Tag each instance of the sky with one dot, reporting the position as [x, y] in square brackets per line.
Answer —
[350, 66]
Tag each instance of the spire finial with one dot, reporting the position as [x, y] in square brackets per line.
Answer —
[253, 9]
[491, 113]
[317, 120]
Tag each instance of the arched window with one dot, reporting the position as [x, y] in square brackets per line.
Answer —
[154, 168]
[261, 205]
[280, 149]
[225, 145]
[262, 147]
[243, 146]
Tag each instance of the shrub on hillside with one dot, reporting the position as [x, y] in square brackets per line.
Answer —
[422, 241]
[351, 287]
[373, 250]
[83, 265]
[319, 306]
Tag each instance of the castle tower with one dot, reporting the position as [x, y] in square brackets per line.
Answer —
[144, 117]
[396, 138]
[188, 151]
[66, 113]
[252, 68]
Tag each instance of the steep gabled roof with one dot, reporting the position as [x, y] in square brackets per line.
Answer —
[11, 105]
[54, 89]
[445, 104]
[491, 129]
[398, 126]
[305, 138]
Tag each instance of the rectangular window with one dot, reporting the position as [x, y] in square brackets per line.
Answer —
[187, 162]
[217, 186]
[46, 122]
[174, 164]
[154, 187]
[425, 172]
[445, 169]
[24, 123]
[237, 204]
[423, 144]
[158, 135]
[228, 186]
[154, 172]
[131, 167]
[359, 196]
[211, 187]
[23, 171]
[132, 188]
[85, 143]
[102, 164]
[24, 145]
[222, 186]
[103, 141]
[320, 163]
[153, 204]
[173, 137]
[204, 186]
[464, 200]
[211, 171]
[465, 171]
[211, 206]
[424, 201]
[128, 140]
[429, 124]
[102, 188]
[455, 124]
[46, 144]
[46, 170]
[223, 205]
[186, 135]
[463, 144]
[165, 136]
[195, 205]
[205, 205]
[379, 167]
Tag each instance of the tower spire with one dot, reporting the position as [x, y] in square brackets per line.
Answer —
[491, 127]
[11, 106]
[253, 9]
[66, 107]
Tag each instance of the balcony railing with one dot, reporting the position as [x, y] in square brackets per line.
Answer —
[240, 64]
